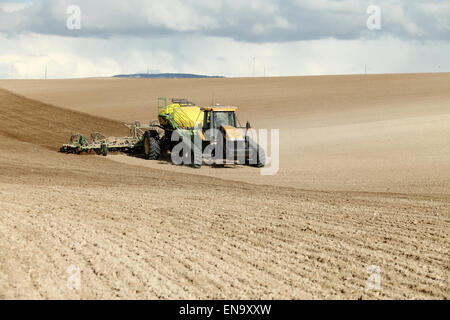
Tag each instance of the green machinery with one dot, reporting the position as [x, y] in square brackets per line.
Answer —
[101, 144]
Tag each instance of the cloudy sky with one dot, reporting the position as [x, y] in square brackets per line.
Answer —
[235, 38]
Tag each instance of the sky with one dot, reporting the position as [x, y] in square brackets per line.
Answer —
[232, 38]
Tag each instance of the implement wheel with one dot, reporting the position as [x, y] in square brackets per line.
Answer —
[196, 158]
[152, 149]
[104, 149]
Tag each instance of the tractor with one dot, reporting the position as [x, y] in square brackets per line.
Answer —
[201, 134]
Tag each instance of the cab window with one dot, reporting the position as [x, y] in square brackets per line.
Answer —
[223, 118]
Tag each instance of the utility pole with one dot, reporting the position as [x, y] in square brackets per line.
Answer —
[254, 63]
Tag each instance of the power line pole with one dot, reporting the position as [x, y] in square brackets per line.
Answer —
[254, 63]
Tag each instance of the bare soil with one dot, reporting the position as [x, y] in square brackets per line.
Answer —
[360, 184]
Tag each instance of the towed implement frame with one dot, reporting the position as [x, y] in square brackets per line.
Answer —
[102, 145]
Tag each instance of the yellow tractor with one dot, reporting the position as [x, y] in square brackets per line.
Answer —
[195, 135]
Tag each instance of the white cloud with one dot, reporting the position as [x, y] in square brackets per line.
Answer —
[287, 37]
[250, 21]
[10, 7]
[330, 5]
[26, 56]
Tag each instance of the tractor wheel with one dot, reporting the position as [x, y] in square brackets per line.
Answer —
[191, 158]
[152, 149]
[256, 156]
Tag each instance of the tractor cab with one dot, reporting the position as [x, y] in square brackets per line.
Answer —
[218, 117]
[221, 119]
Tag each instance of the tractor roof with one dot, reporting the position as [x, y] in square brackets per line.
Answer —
[220, 108]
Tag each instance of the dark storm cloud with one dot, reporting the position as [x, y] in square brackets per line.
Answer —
[248, 21]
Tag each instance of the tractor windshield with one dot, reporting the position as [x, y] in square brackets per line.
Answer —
[224, 118]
